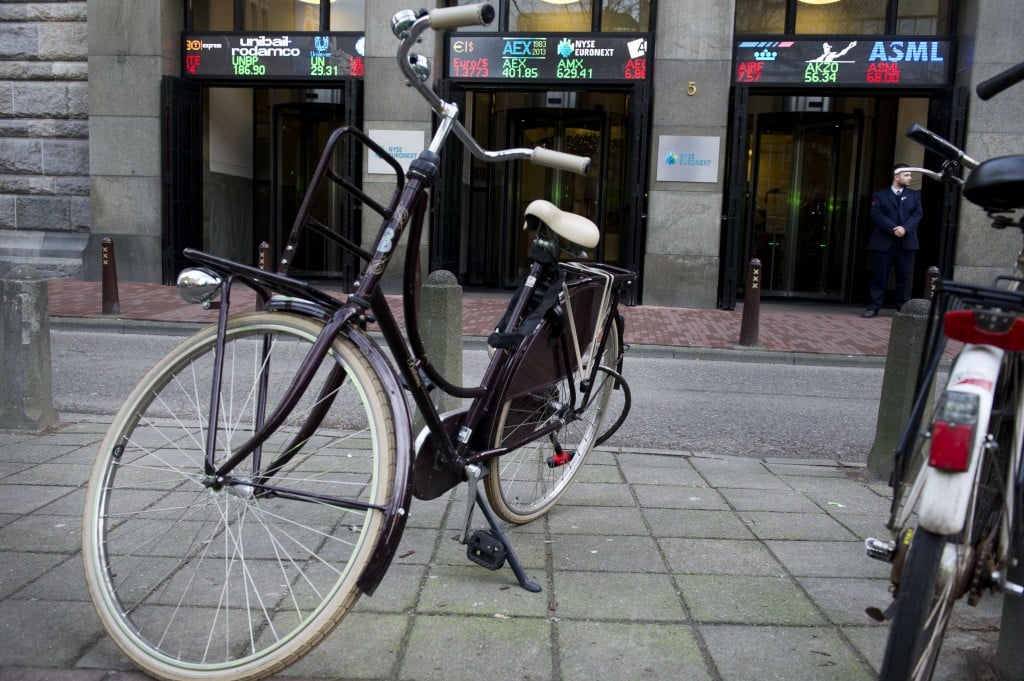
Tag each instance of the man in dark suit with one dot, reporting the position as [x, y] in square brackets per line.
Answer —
[895, 215]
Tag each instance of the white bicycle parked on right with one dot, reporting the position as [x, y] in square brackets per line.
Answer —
[957, 475]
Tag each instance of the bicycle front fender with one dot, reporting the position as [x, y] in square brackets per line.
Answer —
[397, 505]
[946, 496]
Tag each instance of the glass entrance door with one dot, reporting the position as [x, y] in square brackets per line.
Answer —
[478, 227]
[804, 183]
[572, 132]
[301, 131]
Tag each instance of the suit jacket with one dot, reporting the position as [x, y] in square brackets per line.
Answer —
[888, 211]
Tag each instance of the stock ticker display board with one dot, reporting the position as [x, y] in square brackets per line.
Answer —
[842, 62]
[271, 56]
[568, 58]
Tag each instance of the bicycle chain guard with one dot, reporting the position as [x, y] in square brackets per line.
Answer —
[432, 478]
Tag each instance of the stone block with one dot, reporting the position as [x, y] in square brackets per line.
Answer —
[45, 99]
[684, 222]
[694, 29]
[126, 205]
[43, 212]
[62, 41]
[124, 87]
[78, 100]
[65, 157]
[8, 212]
[81, 212]
[118, 27]
[124, 145]
[680, 281]
[706, 109]
[18, 40]
[21, 156]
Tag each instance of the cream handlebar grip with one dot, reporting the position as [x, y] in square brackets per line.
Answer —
[560, 160]
[464, 15]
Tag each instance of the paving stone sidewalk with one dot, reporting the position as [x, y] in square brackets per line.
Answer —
[655, 565]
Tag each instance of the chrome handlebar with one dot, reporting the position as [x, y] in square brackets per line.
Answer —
[408, 26]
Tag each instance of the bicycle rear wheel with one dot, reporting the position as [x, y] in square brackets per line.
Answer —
[922, 611]
[197, 579]
[522, 485]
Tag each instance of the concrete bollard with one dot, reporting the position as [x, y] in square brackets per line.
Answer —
[26, 384]
[441, 328]
[906, 342]
[750, 323]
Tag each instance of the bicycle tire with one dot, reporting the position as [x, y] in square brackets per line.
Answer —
[195, 582]
[922, 612]
[521, 486]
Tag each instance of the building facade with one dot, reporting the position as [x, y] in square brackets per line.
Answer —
[720, 132]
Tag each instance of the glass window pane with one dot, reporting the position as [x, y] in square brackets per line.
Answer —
[545, 15]
[626, 15]
[848, 16]
[923, 17]
[760, 16]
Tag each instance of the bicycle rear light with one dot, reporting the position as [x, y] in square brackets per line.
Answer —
[986, 327]
[953, 431]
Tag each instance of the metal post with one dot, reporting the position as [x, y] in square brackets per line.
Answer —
[750, 325]
[111, 302]
[263, 256]
[931, 281]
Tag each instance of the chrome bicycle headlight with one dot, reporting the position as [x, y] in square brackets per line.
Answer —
[198, 285]
[420, 66]
[402, 22]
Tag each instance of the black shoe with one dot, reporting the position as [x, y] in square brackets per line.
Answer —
[868, 313]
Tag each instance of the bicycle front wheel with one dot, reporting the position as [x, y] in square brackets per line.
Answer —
[195, 577]
[525, 483]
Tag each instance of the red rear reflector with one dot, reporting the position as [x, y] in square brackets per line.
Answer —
[951, 446]
[985, 328]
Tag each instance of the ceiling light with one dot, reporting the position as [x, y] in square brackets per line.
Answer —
[818, 2]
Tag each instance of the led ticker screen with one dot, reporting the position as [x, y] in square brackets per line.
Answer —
[578, 58]
[843, 62]
[271, 56]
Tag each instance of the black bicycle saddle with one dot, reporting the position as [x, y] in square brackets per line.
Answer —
[997, 184]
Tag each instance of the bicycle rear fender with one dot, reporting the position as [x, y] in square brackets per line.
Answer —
[397, 506]
[946, 496]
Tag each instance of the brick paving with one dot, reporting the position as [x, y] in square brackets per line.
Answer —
[783, 327]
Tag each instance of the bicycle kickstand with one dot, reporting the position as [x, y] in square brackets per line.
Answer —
[489, 548]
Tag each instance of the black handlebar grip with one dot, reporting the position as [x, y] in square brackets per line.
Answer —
[930, 140]
[999, 82]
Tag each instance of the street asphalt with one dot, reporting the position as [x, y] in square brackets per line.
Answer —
[657, 564]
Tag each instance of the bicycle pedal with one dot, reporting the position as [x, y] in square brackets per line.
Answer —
[560, 458]
[484, 549]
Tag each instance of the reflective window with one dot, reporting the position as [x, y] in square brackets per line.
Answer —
[864, 17]
[566, 15]
[760, 16]
[626, 15]
[278, 15]
[551, 15]
[923, 17]
[846, 16]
